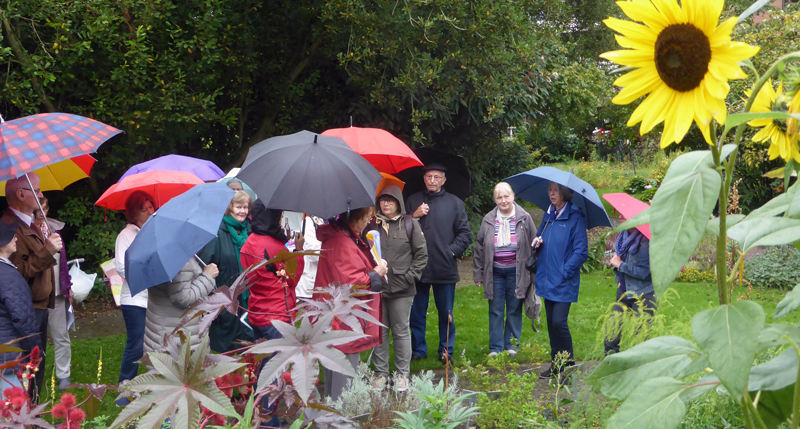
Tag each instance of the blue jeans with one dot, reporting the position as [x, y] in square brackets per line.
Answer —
[444, 296]
[134, 317]
[267, 332]
[558, 328]
[504, 302]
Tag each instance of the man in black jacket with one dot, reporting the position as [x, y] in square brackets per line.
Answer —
[447, 234]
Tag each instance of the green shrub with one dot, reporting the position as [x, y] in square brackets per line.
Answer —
[648, 194]
[691, 274]
[776, 267]
[638, 185]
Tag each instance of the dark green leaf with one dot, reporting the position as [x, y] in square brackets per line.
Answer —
[776, 373]
[655, 404]
[775, 407]
[789, 302]
[751, 233]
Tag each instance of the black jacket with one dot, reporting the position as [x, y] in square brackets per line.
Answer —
[447, 234]
[17, 318]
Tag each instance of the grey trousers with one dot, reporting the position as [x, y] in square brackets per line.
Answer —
[395, 317]
[335, 382]
[57, 328]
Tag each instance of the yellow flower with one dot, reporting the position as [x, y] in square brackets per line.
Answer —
[774, 130]
[682, 59]
[792, 125]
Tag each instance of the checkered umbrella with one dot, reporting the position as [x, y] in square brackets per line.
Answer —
[33, 142]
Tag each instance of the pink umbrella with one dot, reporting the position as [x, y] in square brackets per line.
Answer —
[628, 207]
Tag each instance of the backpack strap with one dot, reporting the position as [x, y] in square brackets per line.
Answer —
[409, 226]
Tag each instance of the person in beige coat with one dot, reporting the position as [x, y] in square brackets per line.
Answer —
[501, 249]
[167, 302]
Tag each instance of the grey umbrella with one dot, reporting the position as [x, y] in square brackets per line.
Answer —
[310, 173]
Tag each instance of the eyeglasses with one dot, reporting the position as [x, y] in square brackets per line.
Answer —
[433, 177]
[37, 192]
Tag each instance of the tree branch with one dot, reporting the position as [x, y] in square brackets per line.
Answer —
[22, 58]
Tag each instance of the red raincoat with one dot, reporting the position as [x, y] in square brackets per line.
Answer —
[343, 261]
[269, 294]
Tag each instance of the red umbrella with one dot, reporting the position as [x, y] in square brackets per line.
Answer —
[628, 207]
[160, 184]
[385, 152]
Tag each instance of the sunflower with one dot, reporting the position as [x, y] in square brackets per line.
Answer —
[682, 59]
[793, 125]
[773, 130]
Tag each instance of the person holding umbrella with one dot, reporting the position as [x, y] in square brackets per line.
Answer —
[346, 259]
[563, 248]
[499, 266]
[444, 222]
[224, 250]
[139, 206]
[35, 256]
[631, 262]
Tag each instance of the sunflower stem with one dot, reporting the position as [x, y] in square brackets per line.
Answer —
[722, 284]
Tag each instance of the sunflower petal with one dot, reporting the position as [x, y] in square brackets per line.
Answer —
[644, 12]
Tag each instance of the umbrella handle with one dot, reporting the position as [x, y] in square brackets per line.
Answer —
[39, 203]
[200, 261]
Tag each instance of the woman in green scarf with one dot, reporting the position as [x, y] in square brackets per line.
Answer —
[224, 251]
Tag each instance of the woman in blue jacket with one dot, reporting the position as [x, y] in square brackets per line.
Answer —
[564, 248]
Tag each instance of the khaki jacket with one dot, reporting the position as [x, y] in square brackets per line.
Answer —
[34, 262]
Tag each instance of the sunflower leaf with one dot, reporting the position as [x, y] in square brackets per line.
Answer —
[755, 7]
[641, 218]
[735, 119]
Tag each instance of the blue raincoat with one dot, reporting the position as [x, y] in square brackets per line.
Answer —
[565, 249]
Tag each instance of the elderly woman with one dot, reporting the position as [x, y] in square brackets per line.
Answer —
[17, 319]
[138, 208]
[499, 266]
[564, 248]
[403, 246]
[224, 251]
[346, 259]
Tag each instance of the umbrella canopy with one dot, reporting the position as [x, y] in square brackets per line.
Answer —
[161, 185]
[385, 152]
[174, 234]
[207, 171]
[628, 207]
[30, 143]
[533, 186]
[308, 173]
[56, 177]
[389, 180]
[459, 182]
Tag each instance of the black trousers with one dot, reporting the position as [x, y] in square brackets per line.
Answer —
[36, 387]
[648, 301]
[557, 314]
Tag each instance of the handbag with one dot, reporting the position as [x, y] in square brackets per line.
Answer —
[530, 263]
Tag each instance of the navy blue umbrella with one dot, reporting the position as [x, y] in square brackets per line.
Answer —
[533, 186]
[174, 233]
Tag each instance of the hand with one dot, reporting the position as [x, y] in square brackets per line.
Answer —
[211, 270]
[53, 244]
[382, 268]
[538, 241]
[422, 210]
[615, 261]
[479, 284]
[71, 295]
[299, 241]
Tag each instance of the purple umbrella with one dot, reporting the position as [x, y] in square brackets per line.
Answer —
[206, 171]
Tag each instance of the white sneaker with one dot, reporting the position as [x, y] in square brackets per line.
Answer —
[512, 352]
[492, 354]
[379, 382]
[400, 384]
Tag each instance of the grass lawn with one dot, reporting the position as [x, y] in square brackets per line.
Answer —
[472, 339]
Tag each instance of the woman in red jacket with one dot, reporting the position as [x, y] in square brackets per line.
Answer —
[345, 259]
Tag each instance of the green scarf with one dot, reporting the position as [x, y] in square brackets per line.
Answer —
[238, 231]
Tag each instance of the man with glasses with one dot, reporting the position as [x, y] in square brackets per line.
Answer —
[444, 222]
[35, 256]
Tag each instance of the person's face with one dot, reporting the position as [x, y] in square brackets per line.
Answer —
[9, 248]
[504, 200]
[359, 225]
[555, 195]
[236, 186]
[389, 206]
[240, 211]
[29, 196]
[145, 213]
[434, 180]
[38, 219]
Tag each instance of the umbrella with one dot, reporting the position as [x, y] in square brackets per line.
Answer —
[308, 173]
[628, 207]
[161, 185]
[56, 177]
[533, 186]
[232, 175]
[30, 143]
[459, 182]
[207, 171]
[178, 230]
[389, 180]
[385, 152]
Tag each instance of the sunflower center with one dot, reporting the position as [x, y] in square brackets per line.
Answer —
[682, 54]
[781, 104]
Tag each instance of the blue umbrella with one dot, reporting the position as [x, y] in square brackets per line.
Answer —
[533, 186]
[178, 230]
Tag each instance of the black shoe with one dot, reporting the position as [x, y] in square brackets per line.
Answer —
[445, 358]
[548, 373]
[417, 357]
